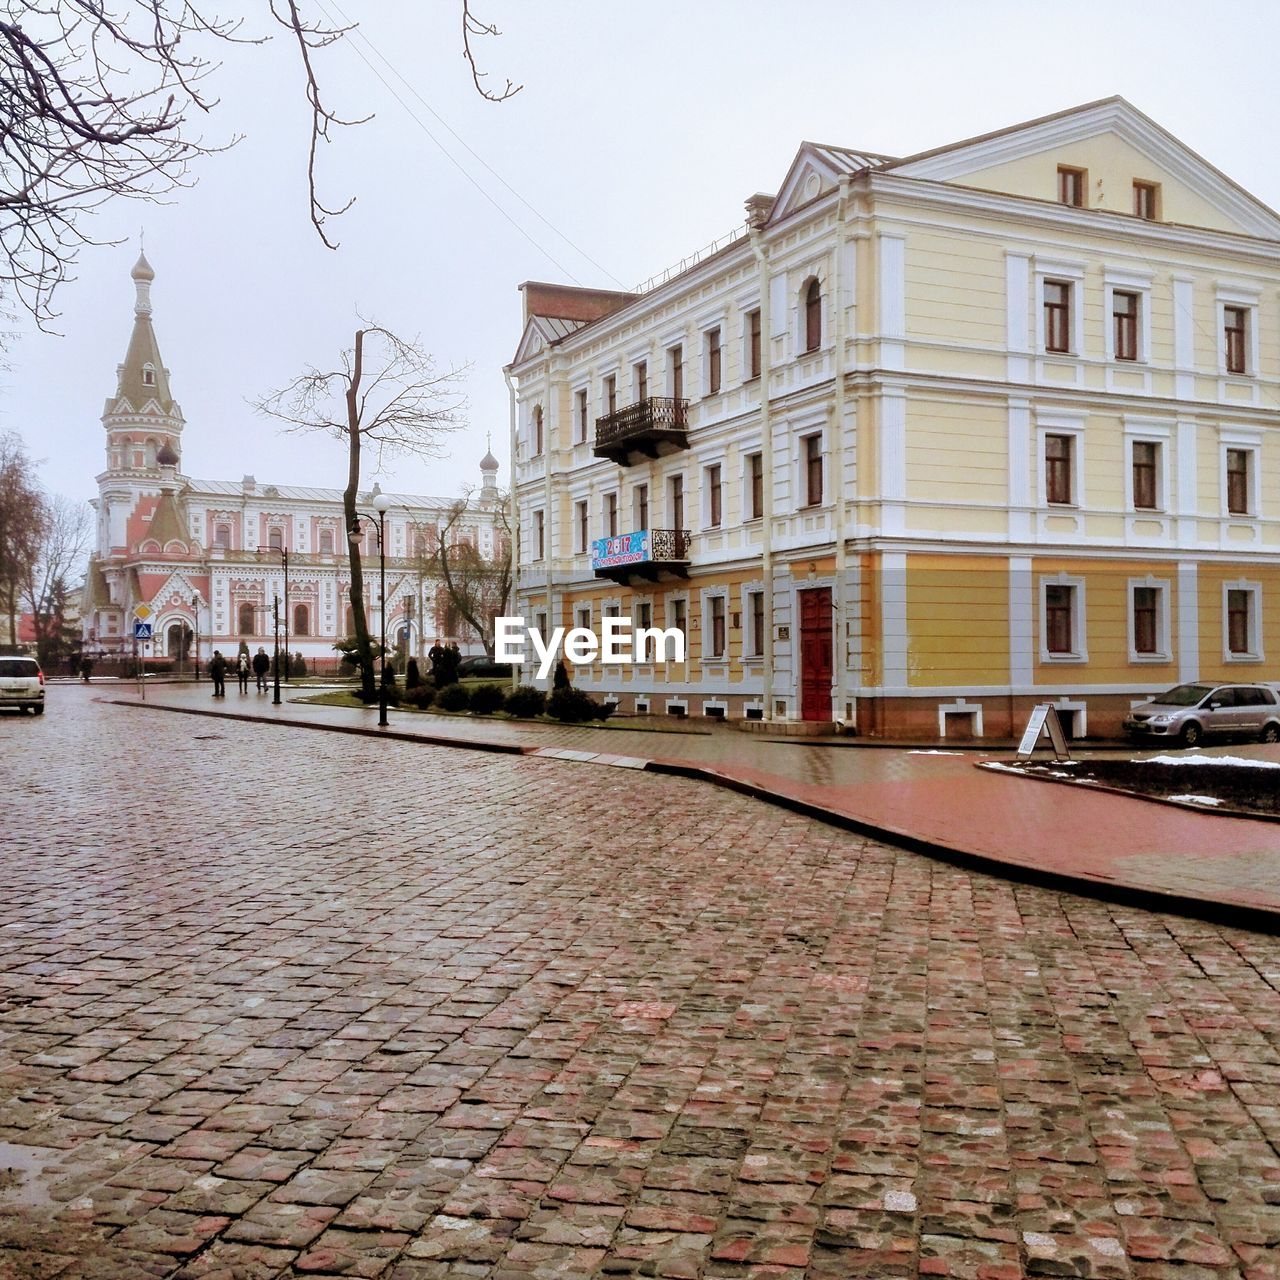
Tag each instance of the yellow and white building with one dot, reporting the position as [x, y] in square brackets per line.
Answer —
[932, 440]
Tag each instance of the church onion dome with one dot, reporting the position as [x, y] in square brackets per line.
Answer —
[489, 463]
[142, 269]
[168, 455]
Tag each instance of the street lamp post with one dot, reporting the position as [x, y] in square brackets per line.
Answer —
[284, 560]
[380, 504]
[275, 701]
[195, 608]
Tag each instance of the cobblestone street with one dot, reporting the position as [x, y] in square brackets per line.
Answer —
[281, 1002]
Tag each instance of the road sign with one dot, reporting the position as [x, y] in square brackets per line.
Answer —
[142, 631]
[1044, 716]
[143, 612]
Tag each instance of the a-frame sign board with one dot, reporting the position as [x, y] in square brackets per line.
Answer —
[1044, 718]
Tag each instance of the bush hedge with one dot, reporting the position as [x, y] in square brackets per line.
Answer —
[573, 706]
[486, 699]
[526, 702]
[420, 696]
[453, 697]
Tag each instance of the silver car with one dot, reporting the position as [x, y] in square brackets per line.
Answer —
[22, 684]
[1192, 712]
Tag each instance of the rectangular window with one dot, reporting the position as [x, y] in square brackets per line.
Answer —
[813, 471]
[640, 379]
[675, 362]
[222, 537]
[755, 486]
[580, 520]
[1059, 605]
[539, 534]
[642, 506]
[715, 632]
[1057, 315]
[610, 515]
[580, 413]
[675, 494]
[1146, 620]
[1124, 317]
[714, 496]
[1146, 200]
[1146, 461]
[582, 617]
[1071, 183]
[1239, 622]
[1238, 482]
[755, 624]
[611, 393]
[644, 618]
[678, 618]
[1235, 331]
[1057, 469]
[753, 344]
[713, 360]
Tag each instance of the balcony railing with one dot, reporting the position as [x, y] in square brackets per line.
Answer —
[649, 428]
[648, 554]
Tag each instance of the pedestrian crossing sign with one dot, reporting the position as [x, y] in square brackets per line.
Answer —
[142, 631]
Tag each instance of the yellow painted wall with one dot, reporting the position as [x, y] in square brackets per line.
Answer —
[957, 620]
[957, 451]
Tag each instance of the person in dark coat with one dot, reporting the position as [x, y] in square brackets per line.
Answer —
[86, 668]
[435, 656]
[561, 678]
[261, 665]
[218, 671]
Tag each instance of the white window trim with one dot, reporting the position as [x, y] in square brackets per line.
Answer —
[640, 359]
[635, 504]
[1164, 650]
[1060, 272]
[539, 553]
[1251, 443]
[668, 504]
[1255, 653]
[1061, 424]
[709, 594]
[746, 591]
[813, 272]
[602, 394]
[1148, 431]
[668, 366]
[1125, 282]
[746, 456]
[704, 372]
[583, 389]
[578, 534]
[1079, 645]
[704, 497]
[744, 337]
[604, 513]
[1238, 294]
[801, 471]
[583, 608]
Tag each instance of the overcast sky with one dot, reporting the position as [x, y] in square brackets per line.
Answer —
[639, 132]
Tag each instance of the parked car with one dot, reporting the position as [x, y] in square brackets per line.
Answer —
[22, 684]
[480, 664]
[1192, 712]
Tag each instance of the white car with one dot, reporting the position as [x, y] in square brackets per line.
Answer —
[22, 684]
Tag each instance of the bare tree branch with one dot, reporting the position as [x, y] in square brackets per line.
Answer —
[478, 586]
[472, 26]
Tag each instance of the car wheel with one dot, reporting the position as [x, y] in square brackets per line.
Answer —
[38, 711]
[1191, 734]
[1271, 733]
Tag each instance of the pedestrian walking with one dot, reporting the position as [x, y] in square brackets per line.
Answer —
[242, 672]
[261, 665]
[86, 668]
[218, 671]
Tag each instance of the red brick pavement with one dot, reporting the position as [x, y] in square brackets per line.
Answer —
[318, 1005]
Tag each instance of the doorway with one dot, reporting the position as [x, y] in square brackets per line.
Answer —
[815, 654]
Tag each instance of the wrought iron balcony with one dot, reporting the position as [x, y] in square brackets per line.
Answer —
[648, 555]
[650, 428]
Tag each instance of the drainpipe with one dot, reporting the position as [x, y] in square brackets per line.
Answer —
[757, 215]
[513, 508]
[840, 649]
[548, 523]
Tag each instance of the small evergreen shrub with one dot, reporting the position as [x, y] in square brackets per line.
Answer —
[420, 696]
[526, 702]
[573, 706]
[298, 668]
[453, 697]
[486, 699]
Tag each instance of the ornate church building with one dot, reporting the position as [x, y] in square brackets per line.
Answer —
[213, 563]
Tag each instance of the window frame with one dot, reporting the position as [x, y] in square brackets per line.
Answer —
[675, 370]
[1253, 622]
[640, 506]
[813, 469]
[1078, 651]
[1145, 192]
[1057, 314]
[1235, 339]
[1059, 469]
[713, 359]
[753, 639]
[713, 495]
[751, 345]
[640, 380]
[1126, 343]
[609, 514]
[540, 533]
[715, 626]
[676, 500]
[302, 610]
[582, 525]
[1073, 182]
[582, 414]
[1251, 448]
[753, 486]
[1162, 652]
[1150, 472]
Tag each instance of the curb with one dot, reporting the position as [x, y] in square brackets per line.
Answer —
[1232, 915]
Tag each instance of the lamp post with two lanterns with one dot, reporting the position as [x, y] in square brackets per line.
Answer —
[380, 504]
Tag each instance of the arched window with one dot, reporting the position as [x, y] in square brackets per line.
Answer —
[812, 316]
[222, 537]
[301, 620]
[351, 621]
[326, 542]
[148, 375]
[275, 539]
[151, 453]
[246, 619]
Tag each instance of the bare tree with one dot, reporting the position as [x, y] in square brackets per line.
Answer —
[385, 395]
[22, 519]
[63, 544]
[477, 585]
[98, 99]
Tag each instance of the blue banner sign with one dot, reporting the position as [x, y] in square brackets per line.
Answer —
[625, 548]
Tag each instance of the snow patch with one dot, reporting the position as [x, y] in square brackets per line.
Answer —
[1238, 761]
[1197, 799]
[935, 753]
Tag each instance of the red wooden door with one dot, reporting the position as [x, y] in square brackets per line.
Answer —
[815, 654]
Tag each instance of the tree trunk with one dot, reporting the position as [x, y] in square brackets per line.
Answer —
[364, 649]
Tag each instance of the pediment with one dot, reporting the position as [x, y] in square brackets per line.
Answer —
[816, 170]
[1116, 145]
[533, 342]
[177, 590]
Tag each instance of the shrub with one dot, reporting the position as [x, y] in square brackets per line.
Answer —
[486, 699]
[526, 702]
[298, 668]
[453, 697]
[573, 706]
[419, 696]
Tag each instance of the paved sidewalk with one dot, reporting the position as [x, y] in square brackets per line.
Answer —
[930, 800]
